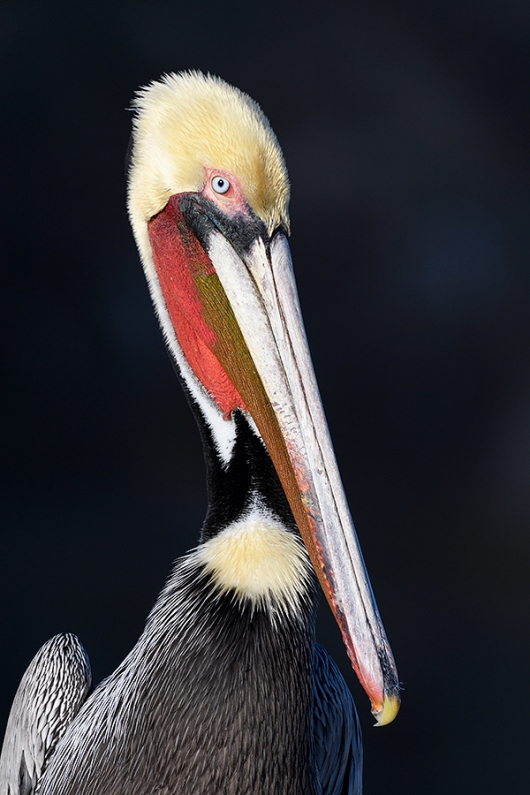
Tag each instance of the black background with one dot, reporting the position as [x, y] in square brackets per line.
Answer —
[405, 129]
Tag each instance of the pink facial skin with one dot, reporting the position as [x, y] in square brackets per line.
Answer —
[232, 202]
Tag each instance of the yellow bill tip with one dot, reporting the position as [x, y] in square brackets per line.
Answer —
[387, 712]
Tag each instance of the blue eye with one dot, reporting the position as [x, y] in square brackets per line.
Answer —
[220, 184]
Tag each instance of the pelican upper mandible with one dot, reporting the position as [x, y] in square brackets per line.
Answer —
[226, 691]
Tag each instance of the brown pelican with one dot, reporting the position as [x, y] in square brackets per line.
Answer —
[226, 690]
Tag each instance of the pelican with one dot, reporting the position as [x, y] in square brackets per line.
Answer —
[226, 691]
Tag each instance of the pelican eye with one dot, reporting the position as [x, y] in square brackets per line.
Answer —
[220, 184]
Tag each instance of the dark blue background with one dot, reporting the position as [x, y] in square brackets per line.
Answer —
[405, 128]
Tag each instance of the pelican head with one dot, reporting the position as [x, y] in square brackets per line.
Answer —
[208, 203]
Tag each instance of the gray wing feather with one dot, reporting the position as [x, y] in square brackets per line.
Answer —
[50, 694]
[336, 731]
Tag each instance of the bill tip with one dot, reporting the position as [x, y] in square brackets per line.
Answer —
[388, 711]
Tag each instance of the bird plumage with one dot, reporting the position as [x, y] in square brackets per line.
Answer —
[51, 693]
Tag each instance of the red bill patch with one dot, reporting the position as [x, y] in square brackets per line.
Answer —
[182, 265]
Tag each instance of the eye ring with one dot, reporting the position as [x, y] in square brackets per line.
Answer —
[220, 184]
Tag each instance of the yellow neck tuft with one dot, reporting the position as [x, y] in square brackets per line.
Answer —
[259, 561]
